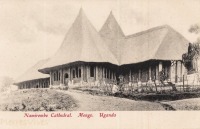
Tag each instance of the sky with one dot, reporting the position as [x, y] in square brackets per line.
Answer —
[31, 30]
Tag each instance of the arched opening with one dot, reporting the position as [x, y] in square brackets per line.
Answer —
[66, 75]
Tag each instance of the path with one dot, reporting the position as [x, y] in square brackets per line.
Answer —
[87, 102]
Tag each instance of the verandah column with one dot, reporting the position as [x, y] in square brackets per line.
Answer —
[130, 76]
[139, 74]
[176, 76]
[160, 67]
[82, 73]
[149, 72]
[97, 73]
[179, 71]
[88, 72]
[61, 77]
[157, 72]
[103, 70]
[50, 79]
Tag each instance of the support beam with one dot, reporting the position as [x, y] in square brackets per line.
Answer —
[139, 75]
[176, 73]
[130, 76]
[61, 77]
[179, 71]
[150, 73]
[160, 66]
[103, 70]
[82, 72]
[97, 73]
[157, 72]
[50, 79]
[88, 72]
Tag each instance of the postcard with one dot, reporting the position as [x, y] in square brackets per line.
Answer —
[99, 64]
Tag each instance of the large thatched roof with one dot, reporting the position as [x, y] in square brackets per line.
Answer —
[112, 34]
[81, 43]
[159, 43]
[33, 73]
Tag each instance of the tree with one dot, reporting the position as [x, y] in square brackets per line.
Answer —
[193, 53]
[196, 30]
[6, 83]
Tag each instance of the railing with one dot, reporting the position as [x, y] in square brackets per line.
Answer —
[150, 87]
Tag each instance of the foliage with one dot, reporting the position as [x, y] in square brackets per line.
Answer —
[6, 82]
[195, 28]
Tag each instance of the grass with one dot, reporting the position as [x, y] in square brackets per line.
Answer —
[36, 100]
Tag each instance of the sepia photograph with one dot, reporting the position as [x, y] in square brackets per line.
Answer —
[99, 55]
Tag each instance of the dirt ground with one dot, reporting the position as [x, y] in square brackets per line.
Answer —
[76, 100]
[87, 102]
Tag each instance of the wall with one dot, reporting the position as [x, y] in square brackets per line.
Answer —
[81, 74]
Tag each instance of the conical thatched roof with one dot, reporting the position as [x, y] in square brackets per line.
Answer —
[81, 43]
[112, 34]
[111, 28]
[33, 73]
[159, 43]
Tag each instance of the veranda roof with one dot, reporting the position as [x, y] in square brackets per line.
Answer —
[81, 43]
[33, 73]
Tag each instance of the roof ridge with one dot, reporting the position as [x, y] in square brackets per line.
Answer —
[147, 31]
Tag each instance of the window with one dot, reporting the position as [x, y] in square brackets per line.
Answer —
[91, 71]
[79, 72]
[73, 74]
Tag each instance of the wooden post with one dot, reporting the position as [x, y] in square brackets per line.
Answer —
[103, 70]
[50, 79]
[82, 72]
[183, 83]
[149, 72]
[157, 73]
[97, 73]
[139, 75]
[88, 72]
[176, 71]
[61, 77]
[160, 66]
